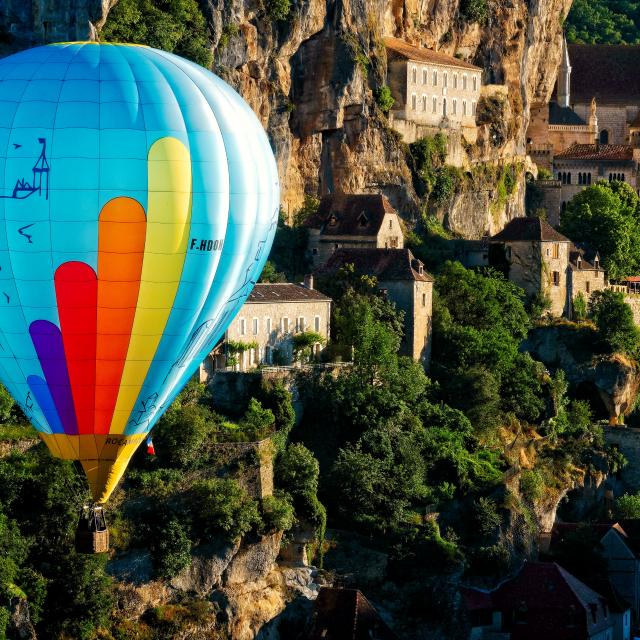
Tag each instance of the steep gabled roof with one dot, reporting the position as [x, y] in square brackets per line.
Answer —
[345, 614]
[385, 264]
[608, 73]
[408, 51]
[529, 229]
[350, 214]
[564, 115]
[284, 292]
[597, 152]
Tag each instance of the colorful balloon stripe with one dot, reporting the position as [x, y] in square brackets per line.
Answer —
[121, 238]
[77, 297]
[43, 397]
[49, 347]
[168, 225]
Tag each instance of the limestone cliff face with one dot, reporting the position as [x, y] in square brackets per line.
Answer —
[311, 79]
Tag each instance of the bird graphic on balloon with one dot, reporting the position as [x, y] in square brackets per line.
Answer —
[138, 203]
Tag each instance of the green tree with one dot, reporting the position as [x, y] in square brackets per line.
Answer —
[269, 273]
[604, 22]
[604, 217]
[178, 26]
[627, 506]
[579, 307]
[614, 320]
[172, 551]
[384, 98]
[257, 421]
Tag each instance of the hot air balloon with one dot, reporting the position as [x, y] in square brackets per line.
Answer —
[138, 203]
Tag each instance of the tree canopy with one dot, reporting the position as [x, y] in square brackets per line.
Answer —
[604, 22]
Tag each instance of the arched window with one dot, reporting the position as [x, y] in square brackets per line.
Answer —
[445, 79]
[414, 75]
[475, 83]
[413, 101]
[464, 107]
[434, 104]
[424, 76]
[622, 177]
[444, 106]
[589, 178]
[455, 80]
[473, 108]
[464, 81]
[424, 102]
[455, 106]
[580, 178]
[604, 137]
[435, 78]
[569, 177]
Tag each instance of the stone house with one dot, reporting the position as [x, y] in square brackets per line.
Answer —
[404, 281]
[538, 259]
[585, 276]
[271, 316]
[432, 90]
[354, 221]
[584, 164]
[542, 601]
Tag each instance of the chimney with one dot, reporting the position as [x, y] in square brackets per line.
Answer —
[308, 281]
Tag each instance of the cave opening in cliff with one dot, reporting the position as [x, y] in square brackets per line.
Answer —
[588, 392]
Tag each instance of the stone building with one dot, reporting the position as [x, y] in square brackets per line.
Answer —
[608, 73]
[585, 276]
[404, 281]
[271, 316]
[584, 164]
[538, 258]
[356, 221]
[432, 90]
[555, 126]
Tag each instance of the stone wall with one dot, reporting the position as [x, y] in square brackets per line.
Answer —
[557, 293]
[552, 199]
[634, 302]
[586, 281]
[611, 118]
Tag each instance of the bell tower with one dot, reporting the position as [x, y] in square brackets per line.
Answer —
[564, 76]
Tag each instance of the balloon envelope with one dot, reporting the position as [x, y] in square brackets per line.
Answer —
[138, 203]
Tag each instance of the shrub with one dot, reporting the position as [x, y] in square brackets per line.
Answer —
[486, 516]
[384, 99]
[447, 180]
[257, 422]
[277, 513]
[474, 10]
[221, 507]
[579, 305]
[172, 553]
[279, 9]
[615, 323]
[531, 485]
[4, 622]
[628, 506]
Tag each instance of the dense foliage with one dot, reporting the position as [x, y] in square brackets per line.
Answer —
[604, 22]
[178, 26]
[605, 217]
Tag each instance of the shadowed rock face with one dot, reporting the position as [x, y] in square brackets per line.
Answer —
[615, 378]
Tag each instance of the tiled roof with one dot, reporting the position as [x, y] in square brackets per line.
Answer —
[385, 264]
[350, 214]
[564, 115]
[608, 73]
[598, 152]
[284, 292]
[410, 52]
[345, 614]
[529, 229]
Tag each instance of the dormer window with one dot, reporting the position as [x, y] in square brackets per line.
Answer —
[579, 262]
[362, 220]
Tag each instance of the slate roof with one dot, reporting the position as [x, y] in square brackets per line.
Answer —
[608, 73]
[529, 229]
[284, 292]
[405, 50]
[586, 258]
[385, 264]
[350, 214]
[564, 115]
[345, 614]
[597, 152]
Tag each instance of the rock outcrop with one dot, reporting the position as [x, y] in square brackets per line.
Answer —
[614, 377]
[311, 79]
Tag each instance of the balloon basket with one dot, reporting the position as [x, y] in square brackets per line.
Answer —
[92, 535]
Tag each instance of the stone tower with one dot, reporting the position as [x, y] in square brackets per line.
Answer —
[564, 76]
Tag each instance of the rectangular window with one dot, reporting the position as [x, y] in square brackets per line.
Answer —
[464, 107]
[588, 286]
[455, 80]
[285, 325]
[413, 75]
[435, 78]
[424, 103]
[455, 106]
[424, 299]
[255, 326]
[475, 83]
[556, 278]
[434, 104]
[391, 223]
[464, 82]
[445, 80]
[316, 324]
[556, 250]
[252, 357]
[243, 326]
[267, 325]
[300, 326]
[424, 76]
[413, 101]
